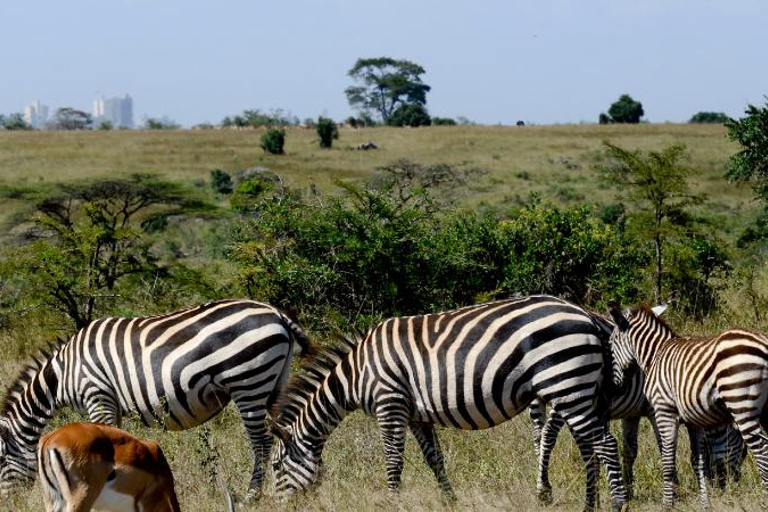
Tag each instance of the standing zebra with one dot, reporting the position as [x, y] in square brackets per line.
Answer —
[725, 449]
[705, 382]
[178, 370]
[471, 368]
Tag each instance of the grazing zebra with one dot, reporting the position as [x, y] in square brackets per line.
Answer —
[725, 449]
[178, 370]
[471, 368]
[705, 382]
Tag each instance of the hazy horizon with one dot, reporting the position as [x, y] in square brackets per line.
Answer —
[558, 61]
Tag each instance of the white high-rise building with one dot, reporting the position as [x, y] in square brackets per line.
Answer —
[36, 114]
[118, 111]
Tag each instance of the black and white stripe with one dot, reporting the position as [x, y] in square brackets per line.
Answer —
[725, 450]
[471, 368]
[178, 370]
[704, 382]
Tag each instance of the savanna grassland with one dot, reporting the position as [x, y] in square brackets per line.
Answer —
[491, 470]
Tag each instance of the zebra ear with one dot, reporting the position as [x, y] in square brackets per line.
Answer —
[660, 309]
[619, 318]
[282, 433]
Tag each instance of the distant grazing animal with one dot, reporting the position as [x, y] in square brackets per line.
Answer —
[704, 382]
[471, 368]
[178, 370]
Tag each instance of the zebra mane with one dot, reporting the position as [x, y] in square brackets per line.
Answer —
[647, 311]
[308, 378]
[28, 372]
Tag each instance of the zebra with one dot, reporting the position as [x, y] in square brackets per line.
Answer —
[724, 448]
[471, 368]
[703, 382]
[177, 370]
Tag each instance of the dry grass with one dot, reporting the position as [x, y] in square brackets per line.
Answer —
[491, 470]
[556, 161]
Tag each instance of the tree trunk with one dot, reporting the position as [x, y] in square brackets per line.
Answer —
[657, 284]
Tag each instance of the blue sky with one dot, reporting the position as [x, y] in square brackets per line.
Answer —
[545, 61]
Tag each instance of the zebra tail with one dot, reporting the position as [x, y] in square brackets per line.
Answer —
[306, 348]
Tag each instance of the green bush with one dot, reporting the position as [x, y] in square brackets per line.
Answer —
[569, 253]
[444, 121]
[327, 132]
[709, 117]
[247, 193]
[410, 114]
[273, 140]
[221, 182]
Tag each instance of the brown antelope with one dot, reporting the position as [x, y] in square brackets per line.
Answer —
[86, 466]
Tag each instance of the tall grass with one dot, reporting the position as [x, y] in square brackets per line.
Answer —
[491, 470]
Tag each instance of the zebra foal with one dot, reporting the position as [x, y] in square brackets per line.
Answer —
[177, 370]
[725, 449]
[704, 382]
[471, 368]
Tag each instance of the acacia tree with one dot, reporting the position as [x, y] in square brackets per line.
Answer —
[657, 183]
[89, 238]
[68, 118]
[385, 85]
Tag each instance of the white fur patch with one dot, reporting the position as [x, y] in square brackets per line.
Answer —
[114, 501]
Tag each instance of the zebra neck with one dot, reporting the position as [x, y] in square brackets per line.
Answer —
[323, 412]
[32, 402]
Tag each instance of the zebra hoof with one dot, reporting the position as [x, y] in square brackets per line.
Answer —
[252, 496]
[544, 495]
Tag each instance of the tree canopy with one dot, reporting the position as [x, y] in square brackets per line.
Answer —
[750, 164]
[385, 84]
[624, 110]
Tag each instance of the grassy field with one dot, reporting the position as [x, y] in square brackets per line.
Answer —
[491, 470]
[556, 161]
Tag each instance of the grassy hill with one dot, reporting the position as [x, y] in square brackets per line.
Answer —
[491, 470]
[556, 161]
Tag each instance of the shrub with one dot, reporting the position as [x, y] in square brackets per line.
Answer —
[221, 182]
[247, 192]
[570, 253]
[327, 132]
[273, 140]
[410, 114]
[444, 121]
[709, 117]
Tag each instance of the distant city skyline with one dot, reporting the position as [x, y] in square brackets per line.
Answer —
[491, 61]
[116, 111]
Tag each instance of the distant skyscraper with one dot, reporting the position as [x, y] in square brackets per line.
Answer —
[36, 114]
[118, 111]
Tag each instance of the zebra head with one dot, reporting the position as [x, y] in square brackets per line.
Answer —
[294, 466]
[16, 465]
[637, 330]
[622, 348]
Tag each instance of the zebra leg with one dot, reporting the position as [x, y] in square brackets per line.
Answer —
[657, 435]
[594, 442]
[393, 420]
[102, 407]
[748, 423]
[607, 451]
[537, 411]
[629, 428]
[430, 447]
[253, 414]
[698, 461]
[547, 443]
[667, 422]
